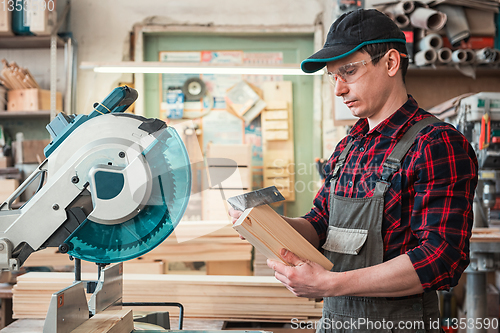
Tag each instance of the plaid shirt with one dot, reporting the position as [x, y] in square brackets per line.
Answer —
[428, 207]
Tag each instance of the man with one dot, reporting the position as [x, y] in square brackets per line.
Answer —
[395, 212]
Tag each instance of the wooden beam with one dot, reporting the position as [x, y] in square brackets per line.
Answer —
[108, 321]
[269, 233]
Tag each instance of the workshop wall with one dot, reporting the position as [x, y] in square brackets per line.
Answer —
[106, 39]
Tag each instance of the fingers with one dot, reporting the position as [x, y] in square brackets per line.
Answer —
[235, 214]
[291, 257]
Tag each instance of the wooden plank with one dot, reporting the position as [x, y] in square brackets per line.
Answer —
[228, 268]
[277, 125]
[276, 136]
[269, 233]
[275, 114]
[276, 103]
[108, 321]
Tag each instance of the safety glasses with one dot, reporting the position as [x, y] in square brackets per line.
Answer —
[351, 72]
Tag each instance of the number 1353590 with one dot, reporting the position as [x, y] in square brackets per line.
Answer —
[27, 5]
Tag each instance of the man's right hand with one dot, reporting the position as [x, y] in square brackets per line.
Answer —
[235, 214]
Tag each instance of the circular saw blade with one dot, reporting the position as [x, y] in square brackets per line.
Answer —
[171, 180]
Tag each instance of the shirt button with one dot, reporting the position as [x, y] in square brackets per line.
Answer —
[350, 183]
[362, 149]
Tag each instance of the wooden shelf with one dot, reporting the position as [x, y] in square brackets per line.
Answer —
[28, 42]
[24, 114]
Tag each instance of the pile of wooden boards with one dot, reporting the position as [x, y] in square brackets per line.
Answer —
[223, 297]
[213, 242]
[15, 77]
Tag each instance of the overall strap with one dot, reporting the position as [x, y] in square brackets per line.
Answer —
[340, 164]
[393, 162]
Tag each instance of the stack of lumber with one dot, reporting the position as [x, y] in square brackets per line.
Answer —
[192, 241]
[15, 77]
[260, 267]
[485, 235]
[224, 297]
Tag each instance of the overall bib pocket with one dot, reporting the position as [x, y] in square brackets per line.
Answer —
[345, 241]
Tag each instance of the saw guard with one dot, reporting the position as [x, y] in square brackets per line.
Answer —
[171, 186]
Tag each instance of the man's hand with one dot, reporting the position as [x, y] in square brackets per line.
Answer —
[305, 278]
[235, 214]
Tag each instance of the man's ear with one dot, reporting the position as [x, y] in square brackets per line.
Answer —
[393, 62]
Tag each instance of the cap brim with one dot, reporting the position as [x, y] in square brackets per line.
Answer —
[319, 59]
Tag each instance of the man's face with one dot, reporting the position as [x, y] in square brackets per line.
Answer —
[365, 96]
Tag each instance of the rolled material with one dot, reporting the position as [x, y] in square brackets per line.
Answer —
[390, 15]
[497, 58]
[408, 6]
[485, 56]
[402, 21]
[429, 19]
[459, 56]
[425, 57]
[400, 8]
[444, 56]
[457, 27]
[471, 56]
[431, 41]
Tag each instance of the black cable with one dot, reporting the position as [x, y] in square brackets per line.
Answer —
[181, 307]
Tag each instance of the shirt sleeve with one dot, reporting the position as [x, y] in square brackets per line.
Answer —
[445, 179]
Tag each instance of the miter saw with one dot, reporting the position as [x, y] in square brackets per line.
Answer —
[113, 186]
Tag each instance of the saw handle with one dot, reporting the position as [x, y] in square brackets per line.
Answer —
[179, 305]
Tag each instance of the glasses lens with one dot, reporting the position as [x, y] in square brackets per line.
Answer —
[348, 73]
[352, 72]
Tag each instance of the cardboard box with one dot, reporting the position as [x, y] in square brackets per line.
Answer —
[5, 23]
[31, 100]
[29, 151]
[5, 161]
[42, 20]
[7, 187]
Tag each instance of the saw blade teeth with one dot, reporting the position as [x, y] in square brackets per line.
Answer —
[99, 240]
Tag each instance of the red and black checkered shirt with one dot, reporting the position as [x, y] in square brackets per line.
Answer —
[428, 207]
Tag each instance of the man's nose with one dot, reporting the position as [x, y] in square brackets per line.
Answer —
[340, 87]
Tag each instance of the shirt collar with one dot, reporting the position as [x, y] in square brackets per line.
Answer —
[390, 126]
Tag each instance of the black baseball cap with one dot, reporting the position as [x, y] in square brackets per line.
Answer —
[350, 32]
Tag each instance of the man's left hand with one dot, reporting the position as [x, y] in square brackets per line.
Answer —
[304, 278]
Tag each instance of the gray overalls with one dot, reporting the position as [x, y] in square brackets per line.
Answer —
[355, 241]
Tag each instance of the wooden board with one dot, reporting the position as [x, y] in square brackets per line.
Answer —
[108, 321]
[269, 233]
[208, 296]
